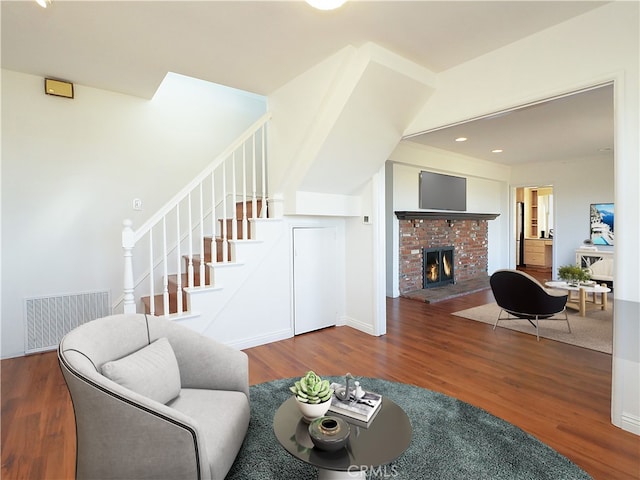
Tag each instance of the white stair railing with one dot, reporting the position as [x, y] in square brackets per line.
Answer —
[192, 214]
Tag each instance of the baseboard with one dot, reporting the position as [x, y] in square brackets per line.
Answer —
[250, 342]
[13, 355]
[358, 325]
[630, 423]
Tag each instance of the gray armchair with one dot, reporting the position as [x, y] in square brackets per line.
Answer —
[154, 399]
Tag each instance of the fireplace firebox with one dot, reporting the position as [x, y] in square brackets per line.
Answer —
[437, 266]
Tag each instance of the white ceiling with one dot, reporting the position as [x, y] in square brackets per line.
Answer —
[255, 46]
[129, 46]
[574, 127]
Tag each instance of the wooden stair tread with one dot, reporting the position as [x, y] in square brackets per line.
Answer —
[230, 227]
[172, 279]
[158, 303]
[249, 208]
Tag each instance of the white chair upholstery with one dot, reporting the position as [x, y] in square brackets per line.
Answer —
[125, 434]
[602, 270]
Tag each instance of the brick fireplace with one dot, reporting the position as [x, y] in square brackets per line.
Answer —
[422, 232]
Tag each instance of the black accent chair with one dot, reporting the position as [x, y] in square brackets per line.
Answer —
[522, 297]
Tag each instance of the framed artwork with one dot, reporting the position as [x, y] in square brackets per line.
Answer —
[601, 217]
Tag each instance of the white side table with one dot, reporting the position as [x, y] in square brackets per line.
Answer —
[583, 291]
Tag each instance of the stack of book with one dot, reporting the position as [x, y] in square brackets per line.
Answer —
[363, 409]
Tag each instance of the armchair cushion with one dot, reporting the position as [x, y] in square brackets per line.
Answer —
[151, 371]
[223, 413]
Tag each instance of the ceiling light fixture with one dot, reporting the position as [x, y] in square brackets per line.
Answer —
[497, 150]
[324, 4]
[44, 3]
[461, 139]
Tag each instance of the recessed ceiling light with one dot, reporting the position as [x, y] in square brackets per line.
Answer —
[497, 150]
[325, 4]
[461, 139]
[44, 3]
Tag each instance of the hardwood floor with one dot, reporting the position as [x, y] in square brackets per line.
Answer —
[541, 274]
[557, 392]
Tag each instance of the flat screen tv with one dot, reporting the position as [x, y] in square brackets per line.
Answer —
[442, 192]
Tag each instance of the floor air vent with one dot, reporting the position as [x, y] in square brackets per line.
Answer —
[48, 319]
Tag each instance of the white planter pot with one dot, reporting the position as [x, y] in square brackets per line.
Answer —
[311, 411]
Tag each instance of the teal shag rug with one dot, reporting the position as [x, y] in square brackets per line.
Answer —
[452, 440]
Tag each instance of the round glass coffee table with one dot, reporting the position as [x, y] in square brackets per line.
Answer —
[369, 447]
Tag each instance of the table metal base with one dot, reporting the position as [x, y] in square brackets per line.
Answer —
[335, 475]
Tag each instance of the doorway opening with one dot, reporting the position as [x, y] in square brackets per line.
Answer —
[535, 229]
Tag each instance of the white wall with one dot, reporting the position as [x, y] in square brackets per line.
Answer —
[364, 260]
[487, 192]
[71, 168]
[576, 185]
[600, 46]
[302, 116]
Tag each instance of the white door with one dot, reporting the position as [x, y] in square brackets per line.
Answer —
[314, 278]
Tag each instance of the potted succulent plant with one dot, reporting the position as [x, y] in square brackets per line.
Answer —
[573, 274]
[313, 395]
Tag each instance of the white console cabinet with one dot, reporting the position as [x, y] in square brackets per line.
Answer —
[599, 262]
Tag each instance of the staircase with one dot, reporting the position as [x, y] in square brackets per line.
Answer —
[175, 253]
[174, 285]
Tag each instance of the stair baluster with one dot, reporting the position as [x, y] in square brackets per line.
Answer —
[165, 267]
[234, 216]
[254, 197]
[225, 240]
[190, 236]
[201, 239]
[152, 287]
[128, 242]
[178, 263]
[263, 171]
[214, 227]
[245, 224]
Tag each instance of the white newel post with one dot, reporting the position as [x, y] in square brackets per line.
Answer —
[128, 242]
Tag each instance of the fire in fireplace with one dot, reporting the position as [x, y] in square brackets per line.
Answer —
[438, 266]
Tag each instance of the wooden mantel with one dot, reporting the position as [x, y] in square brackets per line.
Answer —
[423, 215]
